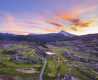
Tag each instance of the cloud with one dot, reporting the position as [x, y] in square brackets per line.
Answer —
[52, 23]
[73, 16]
[25, 26]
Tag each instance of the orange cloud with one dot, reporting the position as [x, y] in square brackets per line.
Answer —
[75, 12]
[43, 25]
[73, 16]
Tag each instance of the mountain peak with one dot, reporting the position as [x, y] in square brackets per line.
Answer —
[66, 33]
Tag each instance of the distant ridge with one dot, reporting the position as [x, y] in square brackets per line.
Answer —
[45, 38]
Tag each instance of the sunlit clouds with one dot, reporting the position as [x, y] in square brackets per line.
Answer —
[76, 26]
[75, 16]
[11, 25]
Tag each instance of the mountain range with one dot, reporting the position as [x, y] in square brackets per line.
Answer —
[44, 38]
[52, 37]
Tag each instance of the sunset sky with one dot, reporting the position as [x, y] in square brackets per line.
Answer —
[47, 16]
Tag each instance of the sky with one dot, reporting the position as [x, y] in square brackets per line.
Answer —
[24, 17]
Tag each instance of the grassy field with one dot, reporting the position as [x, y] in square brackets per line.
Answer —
[57, 64]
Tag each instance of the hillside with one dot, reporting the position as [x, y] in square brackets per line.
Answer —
[76, 57]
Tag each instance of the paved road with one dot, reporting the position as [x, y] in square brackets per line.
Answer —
[43, 69]
[42, 54]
